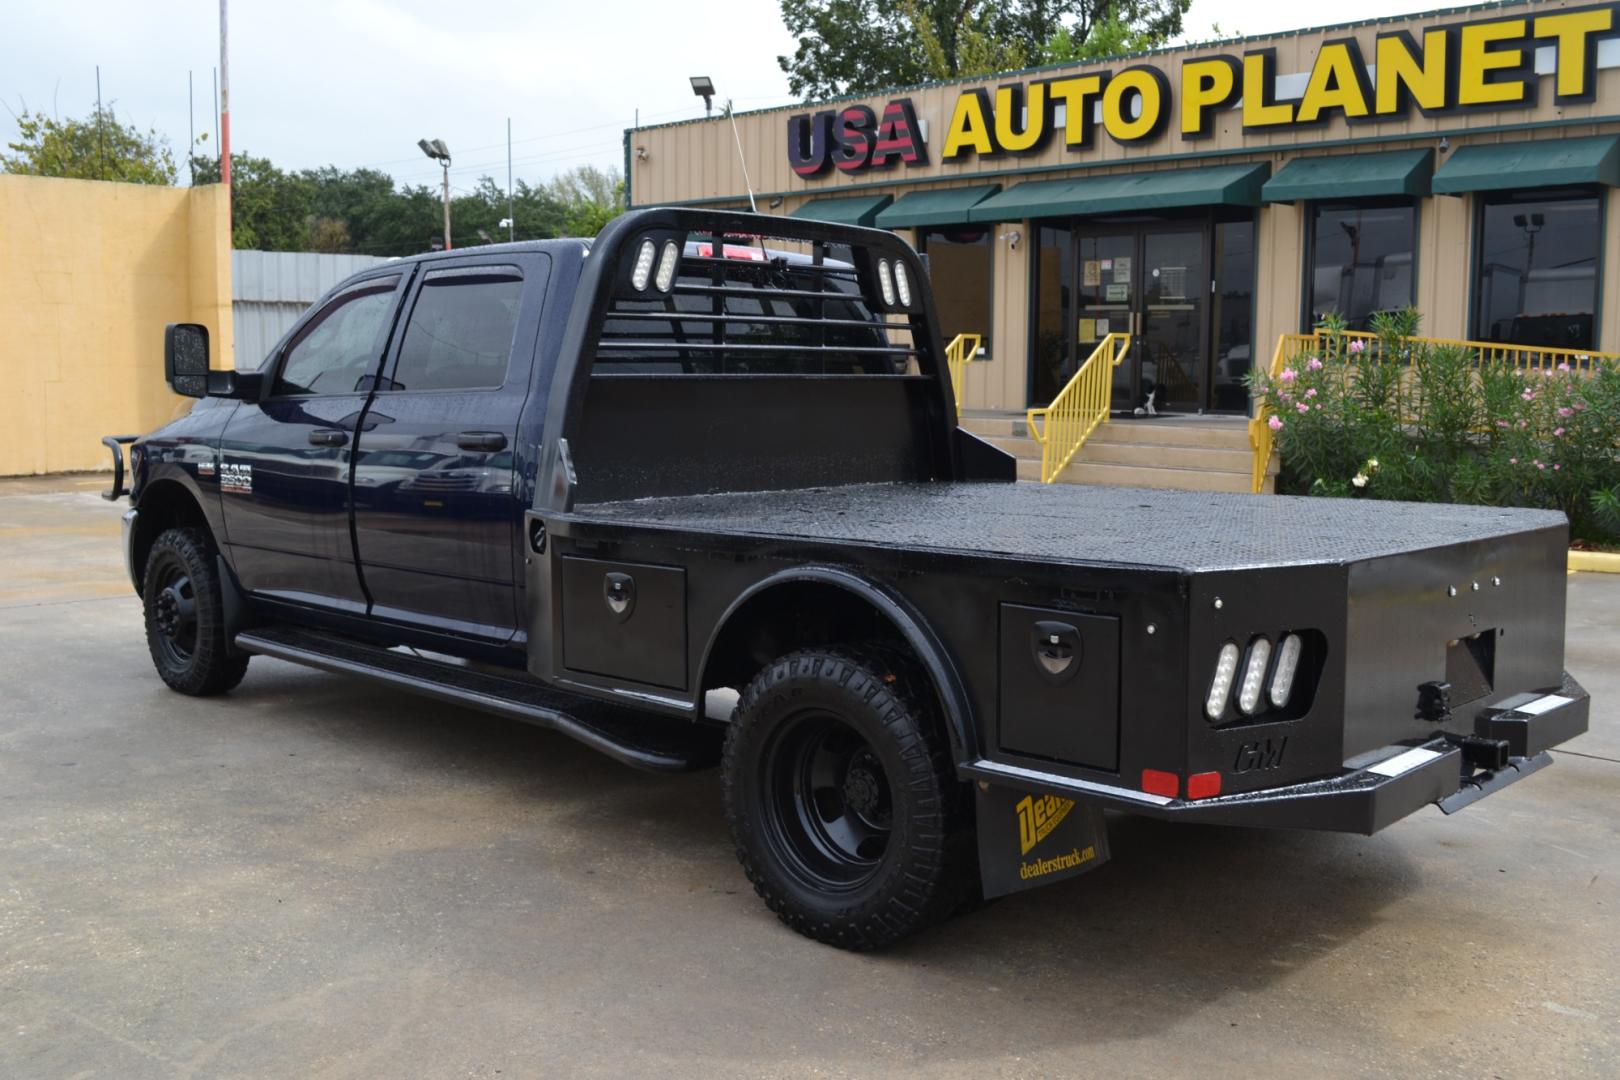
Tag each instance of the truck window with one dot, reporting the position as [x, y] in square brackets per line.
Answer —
[338, 348]
[460, 331]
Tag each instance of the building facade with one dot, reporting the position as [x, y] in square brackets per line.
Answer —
[1209, 198]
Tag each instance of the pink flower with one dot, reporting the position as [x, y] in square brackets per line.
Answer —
[1563, 367]
[1565, 410]
[1523, 424]
[1313, 364]
[1557, 467]
[1558, 433]
[1283, 395]
[1317, 406]
[1540, 466]
[1529, 394]
[1275, 423]
[1357, 346]
[1288, 375]
[1311, 392]
[1501, 423]
[1580, 406]
[1302, 407]
[1513, 461]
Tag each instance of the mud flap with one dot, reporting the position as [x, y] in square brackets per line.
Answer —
[1027, 840]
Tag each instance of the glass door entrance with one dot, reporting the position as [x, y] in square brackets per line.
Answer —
[1169, 353]
[1153, 281]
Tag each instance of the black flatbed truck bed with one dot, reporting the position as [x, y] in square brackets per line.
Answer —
[742, 472]
[1076, 525]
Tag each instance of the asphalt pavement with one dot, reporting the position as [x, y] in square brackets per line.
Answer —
[313, 877]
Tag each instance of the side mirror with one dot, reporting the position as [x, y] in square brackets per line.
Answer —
[185, 359]
[186, 367]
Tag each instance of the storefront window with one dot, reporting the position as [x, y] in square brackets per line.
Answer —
[959, 271]
[1054, 297]
[1538, 269]
[1361, 261]
[1234, 314]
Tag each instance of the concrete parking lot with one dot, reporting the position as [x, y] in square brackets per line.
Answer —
[313, 877]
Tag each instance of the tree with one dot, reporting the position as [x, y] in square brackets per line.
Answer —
[859, 46]
[99, 147]
[271, 210]
[590, 198]
[361, 211]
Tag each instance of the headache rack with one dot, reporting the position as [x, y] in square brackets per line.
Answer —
[777, 299]
[714, 350]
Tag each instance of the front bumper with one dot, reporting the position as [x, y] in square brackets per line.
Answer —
[128, 521]
[1362, 800]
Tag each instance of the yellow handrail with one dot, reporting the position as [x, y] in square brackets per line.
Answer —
[1292, 347]
[1078, 408]
[1289, 347]
[958, 354]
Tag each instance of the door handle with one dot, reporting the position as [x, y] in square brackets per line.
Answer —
[328, 437]
[489, 441]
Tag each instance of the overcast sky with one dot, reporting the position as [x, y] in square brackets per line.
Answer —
[357, 82]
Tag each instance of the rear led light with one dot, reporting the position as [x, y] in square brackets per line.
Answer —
[644, 264]
[902, 284]
[886, 282]
[1220, 687]
[666, 267]
[1203, 785]
[1254, 674]
[1282, 680]
[1159, 782]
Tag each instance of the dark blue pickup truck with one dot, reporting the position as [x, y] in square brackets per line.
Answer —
[694, 493]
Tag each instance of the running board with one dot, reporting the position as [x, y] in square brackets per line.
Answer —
[648, 741]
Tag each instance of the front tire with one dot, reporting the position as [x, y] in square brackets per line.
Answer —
[185, 616]
[846, 813]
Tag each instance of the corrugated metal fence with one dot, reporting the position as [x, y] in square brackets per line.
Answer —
[270, 289]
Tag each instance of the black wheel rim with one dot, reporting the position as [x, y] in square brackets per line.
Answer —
[174, 614]
[829, 804]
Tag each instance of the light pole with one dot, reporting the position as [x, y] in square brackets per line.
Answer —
[440, 153]
[703, 87]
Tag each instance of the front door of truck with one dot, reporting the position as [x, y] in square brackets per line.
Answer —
[436, 517]
[284, 460]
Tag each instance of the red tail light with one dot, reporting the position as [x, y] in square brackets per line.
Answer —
[1157, 782]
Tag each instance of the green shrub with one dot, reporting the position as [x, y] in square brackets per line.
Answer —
[1390, 417]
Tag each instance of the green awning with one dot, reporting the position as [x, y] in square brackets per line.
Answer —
[1543, 163]
[1231, 185]
[854, 210]
[1352, 176]
[943, 206]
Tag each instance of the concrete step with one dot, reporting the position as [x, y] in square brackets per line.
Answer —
[1090, 472]
[1221, 433]
[1217, 434]
[998, 425]
[1018, 448]
[1160, 455]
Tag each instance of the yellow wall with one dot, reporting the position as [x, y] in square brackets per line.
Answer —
[90, 272]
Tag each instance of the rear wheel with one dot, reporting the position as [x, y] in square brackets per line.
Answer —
[842, 801]
[185, 616]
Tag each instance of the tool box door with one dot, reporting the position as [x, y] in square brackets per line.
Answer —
[624, 621]
[1060, 685]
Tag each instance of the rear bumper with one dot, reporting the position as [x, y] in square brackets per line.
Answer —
[1362, 800]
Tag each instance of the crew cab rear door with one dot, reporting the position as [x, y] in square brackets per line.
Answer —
[284, 460]
[435, 516]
